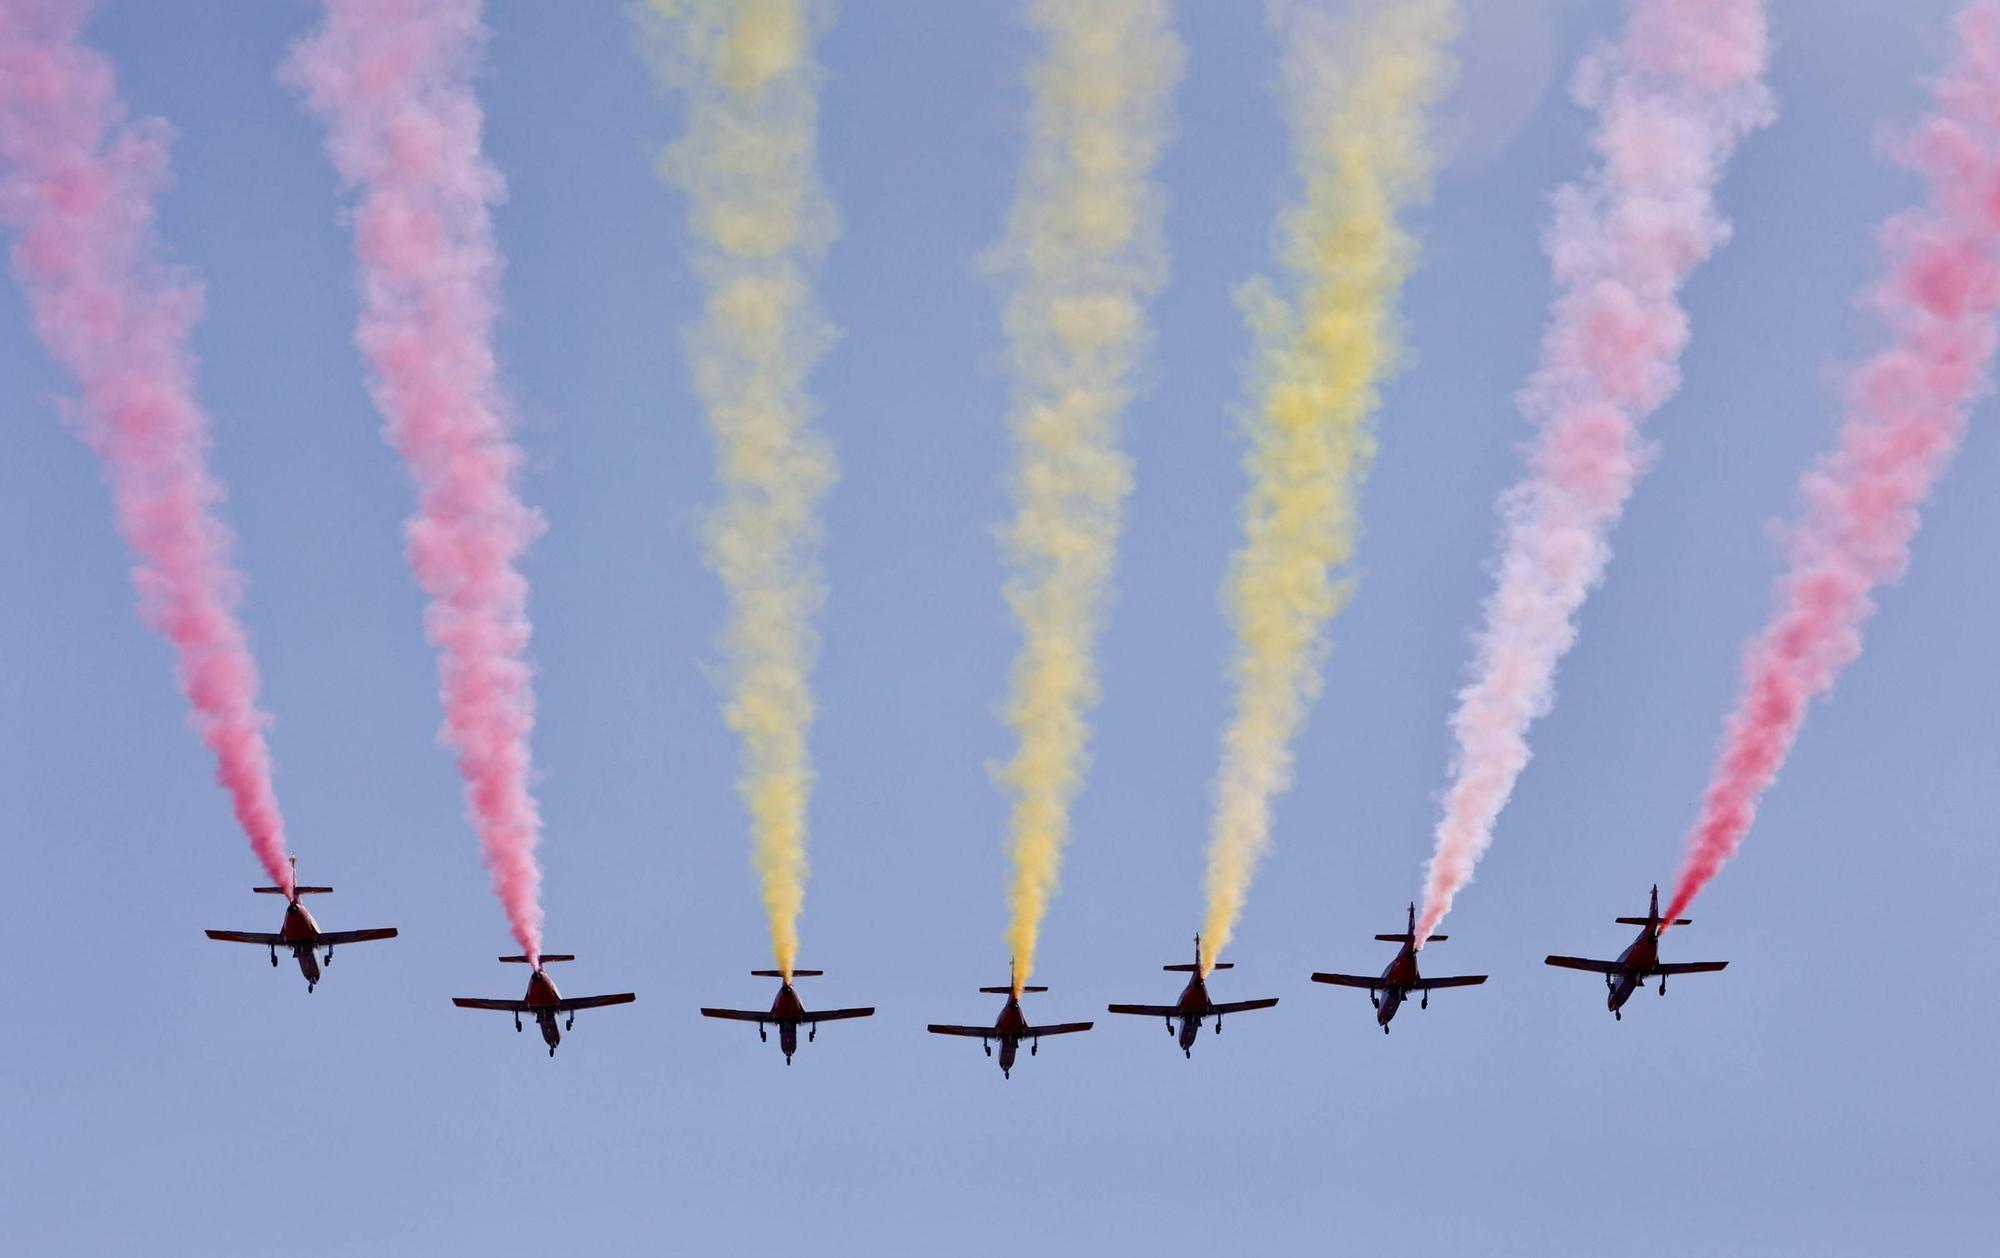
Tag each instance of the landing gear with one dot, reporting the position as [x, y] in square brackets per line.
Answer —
[329, 956]
[1034, 1048]
[1425, 1003]
[571, 1024]
[552, 1050]
[988, 1047]
[812, 1035]
[309, 988]
[788, 1059]
[1170, 1026]
[1385, 1028]
[1218, 1024]
[1188, 1053]
[761, 1037]
[1618, 1015]
[1374, 999]
[517, 1023]
[1663, 984]
[274, 956]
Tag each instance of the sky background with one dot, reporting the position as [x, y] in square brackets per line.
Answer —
[1830, 1094]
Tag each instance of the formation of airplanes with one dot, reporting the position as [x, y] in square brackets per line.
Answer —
[1637, 965]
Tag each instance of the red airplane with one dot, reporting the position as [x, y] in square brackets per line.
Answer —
[300, 933]
[1194, 1004]
[1638, 962]
[1011, 1027]
[788, 1011]
[1393, 987]
[544, 1001]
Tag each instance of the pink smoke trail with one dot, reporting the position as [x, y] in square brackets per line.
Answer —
[391, 79]
[1906, 415]
[79, 184]
[1674, 96]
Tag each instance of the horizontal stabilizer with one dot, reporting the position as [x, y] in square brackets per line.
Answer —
[295, 890]
[1189, 969]
[1649, 921]
[1405, 939]
[1008, 991]
[781, 973]
[547, 957]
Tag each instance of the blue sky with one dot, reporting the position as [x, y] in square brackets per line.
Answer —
[1830, 1094]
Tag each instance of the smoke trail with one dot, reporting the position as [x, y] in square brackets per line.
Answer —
[1673, 98]
[1906, 414]
[760, 222]
[1359, 94]
[79, 184]
[1083, 252]
[392, 81]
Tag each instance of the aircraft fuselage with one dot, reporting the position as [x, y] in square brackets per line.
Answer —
[1634, 964]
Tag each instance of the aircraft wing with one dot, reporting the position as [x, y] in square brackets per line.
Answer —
[835, 1015]
[1147, 1011]
[594, 1002]
[970, 1032]
[503, 1006]
[1463, 980]
[1349, 980]
[1060, 1028]
[1689, 967]
[356, 936]
[1582, 963]
[739, 1015]
[244, 936]
[1243, 1006]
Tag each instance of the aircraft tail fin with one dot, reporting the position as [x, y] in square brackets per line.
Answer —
[1407, 938]
[1189, 969]
[546, 958]
[1008, 991]
[1653, 921]
[781, 973]
[295, 890]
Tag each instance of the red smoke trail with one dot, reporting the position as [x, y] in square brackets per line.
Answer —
[392, 81]
[1673, 98]
[79, 186]
[1906, 414]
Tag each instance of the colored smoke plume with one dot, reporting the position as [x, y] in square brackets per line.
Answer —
[758, 222]
[1084, 250]
[1359, 91]
[392, 81]
[1906, 415]
[78, 181]
[1674, 97]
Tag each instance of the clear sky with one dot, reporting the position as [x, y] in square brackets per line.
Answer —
[1830, 1094]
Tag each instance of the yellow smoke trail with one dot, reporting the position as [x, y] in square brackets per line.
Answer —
[759, 221]
[1359, 92]
[1083, 252]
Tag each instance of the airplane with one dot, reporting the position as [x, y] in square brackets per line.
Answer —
[1194, 1004]
[300, 933]
[543, 1000]
[788, 1011]
[1638, 962]
[1401, 978]
[1011, 1027]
